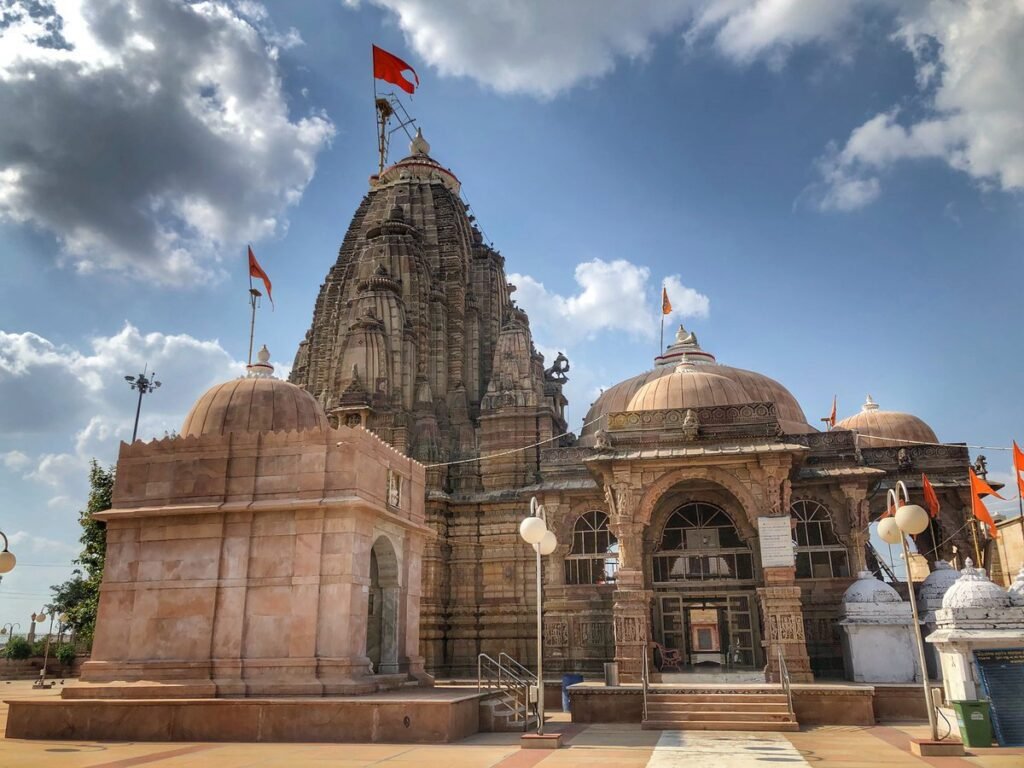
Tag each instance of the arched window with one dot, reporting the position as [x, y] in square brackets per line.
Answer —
[819, 554]
[711, 548]
[594, 557]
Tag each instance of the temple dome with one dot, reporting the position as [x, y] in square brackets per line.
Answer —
[688, 387]
[975, 590]
[256, 403]
[938, 582]
[868, 589]
[887, 429]
[686, 351]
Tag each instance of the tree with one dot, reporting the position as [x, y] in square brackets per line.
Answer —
[78, 597]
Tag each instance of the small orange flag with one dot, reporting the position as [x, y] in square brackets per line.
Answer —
[1018, 467]
[980, 488]
[930, 498]
[666, 305]
[255, 270]
[832, 416]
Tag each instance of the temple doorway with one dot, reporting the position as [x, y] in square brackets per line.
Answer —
[382, 624]
[708, 633]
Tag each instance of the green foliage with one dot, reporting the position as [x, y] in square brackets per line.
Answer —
[39, 646]
[78, 597]
[65, 654]
[17, 648]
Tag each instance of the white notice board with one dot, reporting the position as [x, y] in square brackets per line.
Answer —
[776, 537]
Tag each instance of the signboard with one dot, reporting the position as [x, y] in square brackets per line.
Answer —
[776, 538]
[1002, 679]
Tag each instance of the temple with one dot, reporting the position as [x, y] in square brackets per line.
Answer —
[698, 512]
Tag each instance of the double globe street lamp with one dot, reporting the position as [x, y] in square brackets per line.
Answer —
[7, 558]
[909, 519]
[535, 532]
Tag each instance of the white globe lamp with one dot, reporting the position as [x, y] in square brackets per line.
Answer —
[912, 519]
[889, 531]
[532, 529]
[548, 543]
[7, 561]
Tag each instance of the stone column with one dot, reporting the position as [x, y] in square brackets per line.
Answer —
[631, 610]
[857, 519]
[784, 625]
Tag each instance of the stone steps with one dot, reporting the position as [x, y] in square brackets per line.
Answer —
[760, 709]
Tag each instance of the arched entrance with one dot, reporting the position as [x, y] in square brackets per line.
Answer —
[703, 573]
[382, 615]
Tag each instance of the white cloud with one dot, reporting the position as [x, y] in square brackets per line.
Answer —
[614, 296]
[24, 541]
[16, 460]
[969, 71]
[148, 136]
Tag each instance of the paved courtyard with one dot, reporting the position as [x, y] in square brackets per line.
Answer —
[594, 746]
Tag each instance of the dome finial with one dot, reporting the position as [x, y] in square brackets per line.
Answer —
[419, 145]
[262, 368]
[869, 404]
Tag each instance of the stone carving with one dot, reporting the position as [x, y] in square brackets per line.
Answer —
[601, 440]
[558, 369]
[981, 466]
[630, 630]
[394, 488]
[592, 634]
[556, 633]
[691, 425]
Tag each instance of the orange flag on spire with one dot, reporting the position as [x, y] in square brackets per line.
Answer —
[1018, 467]
[981, 488]
[666, 305]
[930, 498]
[255, 270]
[387, 66]
[832, 416]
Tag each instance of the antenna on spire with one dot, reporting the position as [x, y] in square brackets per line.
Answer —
[389, 106]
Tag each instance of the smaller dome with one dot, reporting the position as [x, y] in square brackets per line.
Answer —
[974, 590]
[868, 589]
[938, 582]
[687, 387]
[256, 403]
[1016, 590]
[887, 429]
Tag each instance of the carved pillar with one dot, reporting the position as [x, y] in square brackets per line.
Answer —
[857, 518]
[631, 613]
[784, 625]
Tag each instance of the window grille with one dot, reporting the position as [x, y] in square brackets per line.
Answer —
[594, 557]
[819, 553]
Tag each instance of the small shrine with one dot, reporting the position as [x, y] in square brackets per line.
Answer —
[929, 600]
[878, 633]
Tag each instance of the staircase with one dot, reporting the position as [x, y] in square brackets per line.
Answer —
[509, 684]
[708, 709]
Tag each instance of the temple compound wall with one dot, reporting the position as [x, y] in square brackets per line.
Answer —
[251, 563]
[661, 504]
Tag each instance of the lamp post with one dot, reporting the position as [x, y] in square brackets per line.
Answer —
[534, 530]
[40, 618]
[7, 558]
[9, 632]
[145, 385]
[909, 519]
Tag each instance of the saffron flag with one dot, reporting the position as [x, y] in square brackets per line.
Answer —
[255, 270]
[832, 416]
[930, 497]
[666, 305]
[388, 67]
[980, 488]
[1018, 467]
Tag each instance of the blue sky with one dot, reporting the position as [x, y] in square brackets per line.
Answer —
[832, 190]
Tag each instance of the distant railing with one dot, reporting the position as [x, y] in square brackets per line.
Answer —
[645, 675]
[493, 675]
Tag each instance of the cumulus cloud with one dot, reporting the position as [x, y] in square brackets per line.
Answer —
[147, 135]
[969, 69]
[613, 296]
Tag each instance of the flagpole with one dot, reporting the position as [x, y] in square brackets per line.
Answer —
[253, 293]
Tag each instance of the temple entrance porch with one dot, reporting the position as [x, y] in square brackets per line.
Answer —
[707, 633]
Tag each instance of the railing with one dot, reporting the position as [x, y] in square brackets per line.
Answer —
[784, 679]
[522, 672]
[493, 675]
[645, 675]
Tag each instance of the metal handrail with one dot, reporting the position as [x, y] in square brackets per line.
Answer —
[518, 668]
[644, 675]
[505, 680]
[784, 679]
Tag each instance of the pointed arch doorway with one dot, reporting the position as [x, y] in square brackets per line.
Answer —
[382, 615]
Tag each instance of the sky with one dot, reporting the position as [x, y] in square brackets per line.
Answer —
[831, 192]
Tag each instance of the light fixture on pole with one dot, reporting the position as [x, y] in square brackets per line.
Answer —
[909, 519]
[534, 531]
[39, 618]
[7, 558]
[145, 385]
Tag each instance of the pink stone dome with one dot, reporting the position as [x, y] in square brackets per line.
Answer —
[887, 429]
[254, 404]
[688, 387]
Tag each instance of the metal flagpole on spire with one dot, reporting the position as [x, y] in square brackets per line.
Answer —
[254, 296]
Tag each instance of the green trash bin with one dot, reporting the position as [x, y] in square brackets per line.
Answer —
[975, 722]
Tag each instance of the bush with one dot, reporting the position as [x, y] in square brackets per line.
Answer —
[65, 654]
[18, 648]
[39, 648]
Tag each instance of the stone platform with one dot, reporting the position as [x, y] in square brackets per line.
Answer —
[431, 716]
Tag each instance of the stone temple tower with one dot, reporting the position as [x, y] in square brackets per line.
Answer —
[416, 338]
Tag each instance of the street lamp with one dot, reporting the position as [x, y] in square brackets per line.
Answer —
[534, 530]
[9, 633]
[7, 558]
[40, 618]
[909, 519]
[145, 384]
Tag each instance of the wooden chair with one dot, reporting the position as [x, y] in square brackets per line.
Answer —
[670, 658]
